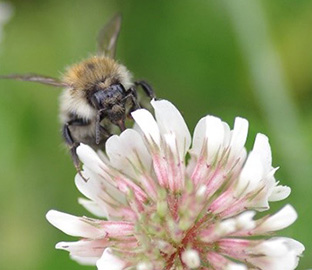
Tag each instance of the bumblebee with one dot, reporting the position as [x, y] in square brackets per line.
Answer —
[98, 94]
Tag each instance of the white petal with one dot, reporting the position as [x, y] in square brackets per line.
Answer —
[73, 225]
[227, 226]
[90, 158]
[214, 135]
[245, 220]
[235, 266]
[293, 245]
[109, 199]
[212, 130]
[279, 193]
[278, 253]
[251, 174]
[128, 153]
[263, 149]
[282, 219]
[191, 258]
[85, 260]
[148, 125]
[227, 134]
[144, 266]
[93, 208]
[97, 188]
[199, 137]
[239, 136]
[84, 248]
[109, 261]
[170, 120]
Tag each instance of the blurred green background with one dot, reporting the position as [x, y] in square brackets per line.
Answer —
[227, 58]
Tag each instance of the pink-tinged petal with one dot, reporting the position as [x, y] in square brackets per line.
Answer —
[161, 170]
[127, 186]
[175, 164]
[217, 261]
[236, 248]
[84, 248]
[215, 181]
[170, 121]
[282, 219]
[109, 261]
[74, 226]
[117, 228]
[148, 125]
[225, 201]
[217, 231]
[234, 209]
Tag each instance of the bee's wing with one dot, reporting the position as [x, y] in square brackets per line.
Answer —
[35, 78]
[108, 35]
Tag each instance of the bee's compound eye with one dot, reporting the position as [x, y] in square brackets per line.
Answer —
[118, 87]
[97, 98]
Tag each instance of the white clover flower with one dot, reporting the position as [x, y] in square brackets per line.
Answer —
[160, 211]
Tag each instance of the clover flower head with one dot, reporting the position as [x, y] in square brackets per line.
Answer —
[166, 201]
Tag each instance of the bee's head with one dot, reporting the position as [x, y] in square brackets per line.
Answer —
[110, 102]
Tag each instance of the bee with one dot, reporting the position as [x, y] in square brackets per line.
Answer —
[98, 94]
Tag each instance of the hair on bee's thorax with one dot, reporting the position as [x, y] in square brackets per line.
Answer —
[97, 70]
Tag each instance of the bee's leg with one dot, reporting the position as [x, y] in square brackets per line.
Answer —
[132, 94]
[72, 144]
[105, 131]
[99, 129]
[146, 88]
